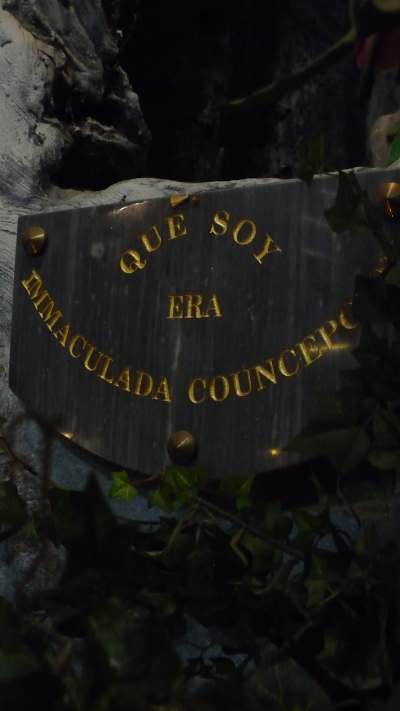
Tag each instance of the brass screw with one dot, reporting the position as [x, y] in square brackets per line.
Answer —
[388, 196]
[34, 240]
[182, 447]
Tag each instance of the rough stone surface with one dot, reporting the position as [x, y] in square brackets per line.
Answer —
[89, 98]
[187, 64]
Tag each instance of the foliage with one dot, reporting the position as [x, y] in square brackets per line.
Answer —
[121, 488]
[312, 159]
[292, 614]
[387, 5]
[394, 153]
[366, 18]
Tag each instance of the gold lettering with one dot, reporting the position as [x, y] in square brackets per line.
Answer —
[49, 316]
[62, 335]
[148, 245]
[225, 388]
[269, 248]
[250, 234]
[175, 303]
[237, 386]
[176, 226]
[73, 343]
[142, 388]
[32, 284]
[214, 308]
[104, 370]
[310, 350]
[87, 365]
[191, 391]
[221, 220]
[131, 261]
[282, 365]
[267, 374]
[39, 298]
[346, 317]
[327, 331]
[124, 380]
[163, 392]
[193, 303]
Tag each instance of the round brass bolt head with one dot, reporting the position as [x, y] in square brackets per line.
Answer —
[182, 447]
[34, 240]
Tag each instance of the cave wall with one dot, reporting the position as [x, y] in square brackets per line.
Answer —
[185, 64]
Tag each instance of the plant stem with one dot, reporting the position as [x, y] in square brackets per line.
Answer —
[273, 92]
[283, 547]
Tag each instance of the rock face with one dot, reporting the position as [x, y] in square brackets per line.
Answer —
[90, 99]
[185, 67]
[187, 64]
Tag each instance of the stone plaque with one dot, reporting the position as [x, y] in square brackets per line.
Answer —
[223, 314]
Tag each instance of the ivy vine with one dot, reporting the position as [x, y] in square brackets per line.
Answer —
[225, 599]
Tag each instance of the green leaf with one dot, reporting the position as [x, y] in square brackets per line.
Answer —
[123, 696]
[306, 521]
[384, 459]
[352, 210]
[164, 604]
[345, 447]
[386, 430]
[124, 635]
[394, 153]
[121, 488]
[180, 479]
[317, 590]
[393, 276]
[387, 5]
[163, 498]
[243, 500]
[12, 508]
[17, 664]
[286, 685]
[238, 488]
[312, 157]
[376, 301]
[16, 659]
[200, 568]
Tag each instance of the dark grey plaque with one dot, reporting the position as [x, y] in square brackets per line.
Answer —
[263, 317]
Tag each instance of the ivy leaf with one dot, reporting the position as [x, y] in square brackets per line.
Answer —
[200, 568]
[351, 210]
[16, 659]
[286, 685]
[17, 664]
[124, 636]
[312, 157]
[238, 488]
[394, 153]
[385, 459]
[393, 275]
[387, 5]
[243, 500]
[12, 508]
[317, 523]
[181, 483]
[345, 447]
[163, 498]
[376, 301]
[180, 480]
[121, 488]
